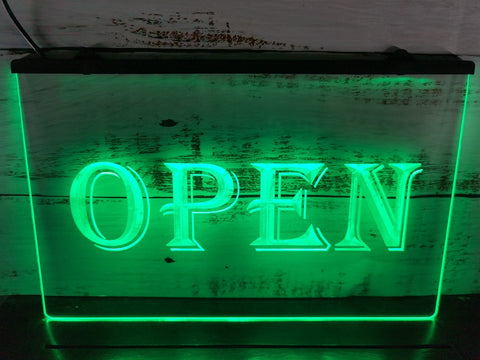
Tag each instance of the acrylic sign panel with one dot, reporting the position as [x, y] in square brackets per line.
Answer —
[241, 196]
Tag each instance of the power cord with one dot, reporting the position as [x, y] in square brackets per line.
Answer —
[20, 28]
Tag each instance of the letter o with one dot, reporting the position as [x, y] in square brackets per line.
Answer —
[138, 212]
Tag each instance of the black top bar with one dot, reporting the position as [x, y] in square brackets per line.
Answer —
[102, 61]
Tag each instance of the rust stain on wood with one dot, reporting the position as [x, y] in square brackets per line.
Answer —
[198, 29]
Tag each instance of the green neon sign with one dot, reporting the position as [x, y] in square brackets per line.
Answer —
[392, 225]
[298, 205]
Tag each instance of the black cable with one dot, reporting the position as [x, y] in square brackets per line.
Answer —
[20, 28]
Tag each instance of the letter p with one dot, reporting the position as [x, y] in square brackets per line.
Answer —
[183, 206]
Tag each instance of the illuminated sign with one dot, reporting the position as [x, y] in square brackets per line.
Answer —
[392, 224]
[242, 197]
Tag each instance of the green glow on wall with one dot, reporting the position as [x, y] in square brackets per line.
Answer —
[402, 80]
[389, 83]
[138, 213]
[391, 222]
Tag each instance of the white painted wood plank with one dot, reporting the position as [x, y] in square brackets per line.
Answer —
[424, 26]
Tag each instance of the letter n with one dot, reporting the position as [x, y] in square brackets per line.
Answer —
[391, 223]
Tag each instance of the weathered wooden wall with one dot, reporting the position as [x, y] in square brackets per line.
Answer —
[422, 26]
